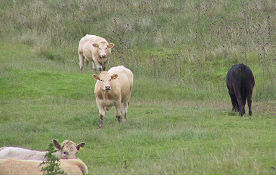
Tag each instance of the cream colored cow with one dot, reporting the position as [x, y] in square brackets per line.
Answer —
[66, 150]
[113, 88]
[32, 167]
[95, 49]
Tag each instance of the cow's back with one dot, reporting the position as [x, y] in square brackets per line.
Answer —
[241, 76]
[124, 82]
[21, 153]
[86, 38]
[19, 167]
[32, 167]
[85, 44]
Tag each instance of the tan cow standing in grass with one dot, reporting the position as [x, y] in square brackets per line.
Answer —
[66, 150]
[32, 167]
[113, 88]
[95, 49]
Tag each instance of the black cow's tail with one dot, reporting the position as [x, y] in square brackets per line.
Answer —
[243, 74]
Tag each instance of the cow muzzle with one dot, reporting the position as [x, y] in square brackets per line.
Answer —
[103, 55]
[107, 87]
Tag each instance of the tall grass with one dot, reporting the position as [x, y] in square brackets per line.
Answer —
[196, 41]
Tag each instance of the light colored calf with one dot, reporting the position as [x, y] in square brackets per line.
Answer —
[95, 49]
[66, 150]
[32, 167]
[113, 88]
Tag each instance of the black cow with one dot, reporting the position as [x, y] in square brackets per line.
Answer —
[240, 83]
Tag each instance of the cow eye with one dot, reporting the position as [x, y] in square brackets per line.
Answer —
[65, 153]
[110, 80]
[101, 80]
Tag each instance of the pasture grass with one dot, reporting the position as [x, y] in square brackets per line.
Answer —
[180, 119]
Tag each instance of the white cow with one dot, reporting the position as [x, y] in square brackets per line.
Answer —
[95, 49]
[66, 150]
[113, 88]
[32, 167]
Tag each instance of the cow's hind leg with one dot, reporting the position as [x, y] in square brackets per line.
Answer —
[94, 66]
[234, 102]
[240, 101]
[241, 106]
[249, 101]
[81, 58]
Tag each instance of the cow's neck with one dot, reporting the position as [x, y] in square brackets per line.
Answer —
[105, 94]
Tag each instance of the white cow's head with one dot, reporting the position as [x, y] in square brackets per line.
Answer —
[105, 80]
[68, 149]
[104, 49]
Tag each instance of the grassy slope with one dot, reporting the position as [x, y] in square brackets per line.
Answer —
[178, 122]
[41, 100]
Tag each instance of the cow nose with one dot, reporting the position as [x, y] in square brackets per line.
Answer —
[107, 87]
[103, 55]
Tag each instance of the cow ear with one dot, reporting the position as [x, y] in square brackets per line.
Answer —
[95, 45]
[80, 146]
[110, 45]
[114, 76]
[57, 145]
[96, 76]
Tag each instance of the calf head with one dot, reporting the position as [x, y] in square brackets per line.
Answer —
[104, 49]
[105, 80]
[68, 148]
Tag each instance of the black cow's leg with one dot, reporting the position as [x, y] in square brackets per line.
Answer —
[249, 101]
[240, 103]
[234, 101]
[241, 107]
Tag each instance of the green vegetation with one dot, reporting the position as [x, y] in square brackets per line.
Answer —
[52, 163]
[180, 119]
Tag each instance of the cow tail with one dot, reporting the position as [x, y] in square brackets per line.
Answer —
[243, 74]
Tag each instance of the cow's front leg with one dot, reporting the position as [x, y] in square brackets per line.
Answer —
[102, 113]
[101, 120]
[125, 109]
[118, 111]
[97, 66]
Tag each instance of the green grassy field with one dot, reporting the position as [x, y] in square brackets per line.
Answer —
[180, 119]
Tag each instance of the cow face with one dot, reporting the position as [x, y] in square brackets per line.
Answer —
[104, 49]
[68, 149]
[105, 80]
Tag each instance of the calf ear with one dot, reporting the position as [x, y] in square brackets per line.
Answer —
[110, 45]
[96, 76]
[114, 76]
[80, 146]
[57, 145]
[95, 45]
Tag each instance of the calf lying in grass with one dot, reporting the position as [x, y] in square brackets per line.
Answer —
[32, 167]
[66, 150]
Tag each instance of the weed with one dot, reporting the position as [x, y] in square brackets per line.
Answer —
[52, 163]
